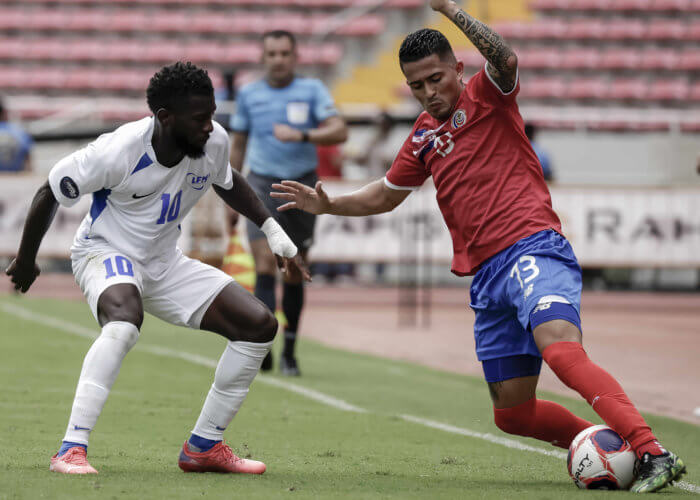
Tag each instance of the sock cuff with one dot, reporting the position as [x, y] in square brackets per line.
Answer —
[562, 348]
[252, 349]
[121, 330]
[527, 406]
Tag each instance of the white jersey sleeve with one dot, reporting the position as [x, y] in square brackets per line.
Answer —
[86, 171]
[222, 176]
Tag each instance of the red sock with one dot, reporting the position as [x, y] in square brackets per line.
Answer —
[542, 420]
[571, 364]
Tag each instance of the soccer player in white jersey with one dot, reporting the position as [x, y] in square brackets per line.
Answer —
[144, 179]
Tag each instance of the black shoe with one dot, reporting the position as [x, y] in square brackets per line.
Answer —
[267, 363]
[657, 471]
[289, 367]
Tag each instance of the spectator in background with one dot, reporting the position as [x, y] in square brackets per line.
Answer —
[278, 123]
[542, 155]
[225, 93]
[330, 166]
[379, 154]
[15, 145]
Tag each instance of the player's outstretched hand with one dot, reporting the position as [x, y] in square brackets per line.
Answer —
[22, 275]
[293, 267]
[312, 200]
[285, 133]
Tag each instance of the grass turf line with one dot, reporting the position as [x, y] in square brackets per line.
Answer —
[311, 450]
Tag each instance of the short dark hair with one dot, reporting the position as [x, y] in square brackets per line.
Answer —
[174, 82]
[424, 43]
[280, 34]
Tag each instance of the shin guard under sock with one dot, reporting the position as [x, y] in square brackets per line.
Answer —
[571, 364]
[541, 420]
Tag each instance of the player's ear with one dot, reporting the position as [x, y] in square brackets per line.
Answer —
[164, 116]
[459, 68]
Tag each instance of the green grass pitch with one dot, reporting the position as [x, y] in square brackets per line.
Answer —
[312, 449]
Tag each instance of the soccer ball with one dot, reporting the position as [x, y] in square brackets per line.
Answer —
[600, 459]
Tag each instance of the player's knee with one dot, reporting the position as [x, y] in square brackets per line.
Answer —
[264, 326]
[517, 420]
[120, 307]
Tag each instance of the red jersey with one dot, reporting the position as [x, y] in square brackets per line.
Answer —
[490, 186]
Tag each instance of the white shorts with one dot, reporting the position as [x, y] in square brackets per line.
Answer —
[180, 295]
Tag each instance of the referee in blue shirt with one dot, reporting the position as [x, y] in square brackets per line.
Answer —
[276, 126]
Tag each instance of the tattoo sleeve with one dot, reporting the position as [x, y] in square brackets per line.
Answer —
[502, 60]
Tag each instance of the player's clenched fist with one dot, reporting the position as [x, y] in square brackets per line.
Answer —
[22, 275]
[312, 200]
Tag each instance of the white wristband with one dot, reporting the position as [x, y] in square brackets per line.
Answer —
[279, 242]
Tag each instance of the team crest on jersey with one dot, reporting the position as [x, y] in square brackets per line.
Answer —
[459, 118]
[197, 181]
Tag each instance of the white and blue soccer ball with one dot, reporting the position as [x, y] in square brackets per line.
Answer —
[600, 459]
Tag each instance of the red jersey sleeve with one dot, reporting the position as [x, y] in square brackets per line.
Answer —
[484, 88]
[408, 170]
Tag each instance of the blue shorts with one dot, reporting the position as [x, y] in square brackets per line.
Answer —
[537, 275]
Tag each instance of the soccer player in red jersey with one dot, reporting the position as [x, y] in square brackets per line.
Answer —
[527, 283]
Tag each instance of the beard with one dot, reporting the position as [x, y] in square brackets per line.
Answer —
[193, 151]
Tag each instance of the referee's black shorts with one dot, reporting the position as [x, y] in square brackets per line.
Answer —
[299, 225]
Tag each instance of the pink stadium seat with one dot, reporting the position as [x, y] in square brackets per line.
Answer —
[690, 59]
[127, 21]
[620, 59]
[581, 58]
[624, 5]
[669, 90]
[163, 51]
[12, 48]
[543, 88]
[695, 91]
[584, 29]
[470, 58]
[667, 30]
[586, 88]
[628, 89]
[653, 59]
[11, 19]
[539, 58]
[693, 33]
[670, 5]
[11, 78]
[623, 29]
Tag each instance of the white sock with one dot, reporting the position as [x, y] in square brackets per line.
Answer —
[235, 372]
[100, 370]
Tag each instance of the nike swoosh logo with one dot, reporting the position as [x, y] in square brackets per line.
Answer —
[81, 428]
[134, 196]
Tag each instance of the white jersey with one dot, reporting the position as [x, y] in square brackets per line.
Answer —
[137, 203]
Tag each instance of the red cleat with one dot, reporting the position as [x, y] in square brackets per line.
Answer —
[74, 461]
[219, 459]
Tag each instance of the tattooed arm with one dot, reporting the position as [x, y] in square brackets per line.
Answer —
[502, 61]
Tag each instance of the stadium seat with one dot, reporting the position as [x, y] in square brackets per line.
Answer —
[654, 59]
[581, 58]
[628, 89]
[669, 90]
[620, 59]
[586, 88]
[543, 88]
[667, 30]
